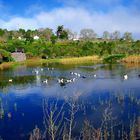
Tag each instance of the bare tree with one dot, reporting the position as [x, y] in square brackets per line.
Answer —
[36, 134]
[89, 132]
[106, 35]
[73, 108]
[53, 119]
[116, 35]
[127, 36]
[71, 34]
[87, 34]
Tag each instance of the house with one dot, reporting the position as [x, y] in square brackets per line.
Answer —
[19, 54]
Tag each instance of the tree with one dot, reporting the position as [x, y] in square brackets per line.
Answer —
[53, 39]
[106, 35]
[87, 34]
[45, 33]
[116, 35]
[28, 36]
[71, 34]
[127, 36]
[22, 31]
[1, 32]
[61, 32]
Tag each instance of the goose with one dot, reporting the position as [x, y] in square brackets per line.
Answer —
[60, 81]
[78, 75]
[69, 80]
[45, 81]
[83, 77]
[10, 80]
[95, 75]
[125, 77]
[75, 73]
[71, 73]
[36, 71]
[73, 80]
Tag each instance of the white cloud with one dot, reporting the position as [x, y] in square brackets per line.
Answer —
[77, 18]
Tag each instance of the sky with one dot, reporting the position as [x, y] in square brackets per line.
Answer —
[99, 15]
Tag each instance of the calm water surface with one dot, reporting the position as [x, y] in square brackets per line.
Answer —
[21, 100]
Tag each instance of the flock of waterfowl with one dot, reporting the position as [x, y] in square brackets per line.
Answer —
[63, 81]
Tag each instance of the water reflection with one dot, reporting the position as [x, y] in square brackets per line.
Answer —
[21, 100]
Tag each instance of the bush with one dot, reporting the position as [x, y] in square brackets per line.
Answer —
[113, 58]
[6, 56]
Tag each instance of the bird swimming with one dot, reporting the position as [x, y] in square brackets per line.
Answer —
[10, 80]
[45, 81]
[125, 77]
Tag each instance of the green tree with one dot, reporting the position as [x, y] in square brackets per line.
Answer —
[61, 32]
[53, 39]
[2, 32]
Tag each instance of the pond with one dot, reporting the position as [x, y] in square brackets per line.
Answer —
[80, 98]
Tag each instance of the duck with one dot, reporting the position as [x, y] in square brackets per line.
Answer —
[84, 77]
[45, 81]
[61, 80]
[71, 73]
[125, 77]
[95, 75]
[37, 72]
[10, 80]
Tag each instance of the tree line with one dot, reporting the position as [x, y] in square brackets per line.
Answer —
[61, 34]
[44, 43]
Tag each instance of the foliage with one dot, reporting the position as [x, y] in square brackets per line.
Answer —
[6, 56]
[113, 58]
[61, 32]
[63, 45]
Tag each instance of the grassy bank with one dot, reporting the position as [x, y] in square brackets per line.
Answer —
[133, 59]
[64, 61]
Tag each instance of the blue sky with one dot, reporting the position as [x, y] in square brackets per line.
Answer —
[100, 15]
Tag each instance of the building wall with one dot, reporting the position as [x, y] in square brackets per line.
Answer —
[19, 56]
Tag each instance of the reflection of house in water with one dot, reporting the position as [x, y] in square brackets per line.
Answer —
[19, 54]
[20, 70]
[38, 80]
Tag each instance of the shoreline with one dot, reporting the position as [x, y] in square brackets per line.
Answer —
[132, 59]
[63, 61]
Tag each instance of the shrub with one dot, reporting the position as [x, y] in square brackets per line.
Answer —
[113, 58]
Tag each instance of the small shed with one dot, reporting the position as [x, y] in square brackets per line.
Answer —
[19, 54]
